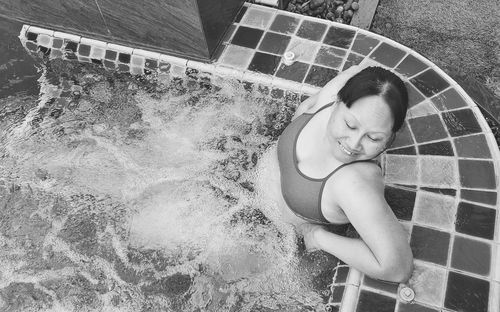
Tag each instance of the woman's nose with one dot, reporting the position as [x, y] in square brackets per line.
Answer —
[355, 141]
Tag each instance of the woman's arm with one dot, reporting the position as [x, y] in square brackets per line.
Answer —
[383, 252]
[328, 93]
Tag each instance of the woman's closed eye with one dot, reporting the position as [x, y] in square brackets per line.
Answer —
[349, 125]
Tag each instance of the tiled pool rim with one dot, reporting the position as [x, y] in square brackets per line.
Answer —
[445, 157]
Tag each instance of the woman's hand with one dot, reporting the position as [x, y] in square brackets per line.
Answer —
[307, 230]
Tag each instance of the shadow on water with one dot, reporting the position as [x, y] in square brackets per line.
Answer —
[18, 73]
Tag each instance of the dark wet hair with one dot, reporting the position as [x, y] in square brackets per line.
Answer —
[378, 81]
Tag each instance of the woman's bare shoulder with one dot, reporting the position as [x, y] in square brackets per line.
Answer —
[363, 176]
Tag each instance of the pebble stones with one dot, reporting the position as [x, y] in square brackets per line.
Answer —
[340, 11]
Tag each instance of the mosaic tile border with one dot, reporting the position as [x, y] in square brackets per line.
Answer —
[463, 146]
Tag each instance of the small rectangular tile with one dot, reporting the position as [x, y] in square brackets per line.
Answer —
[440, 172]
[401, 202]
[474, 146]
[435, 210]
[247, 37]
[441, 191]
[427, 281]
[471, 256]
[461, 122]
[475, 220]
[110, 55]
[311, 30]
[466, 293]
[319, 75]
[441, 148]
[373, 302]
[124, 58]
[430, 82]
[274, 43]
[70, 45]
[57, 43]
[449, 99]
[339, 37]
[240, 14]
[484, 197]
[330, 57]
[430, 245]
[285, 24]
[411, 66]
[364, 44]
[387, 55]
[427, 128]
[477, 174]
[264, 63]
[295, 72]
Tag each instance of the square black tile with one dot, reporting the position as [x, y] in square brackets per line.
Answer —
[338, 293]
[461, 122]
[264, 63]
[471, 256]
[110, 55]
[342, 273]
[387, 55]
[474, 146]
[364, 44]
[339, 37]
[311, 30]
[284, 24]
[296, 72]
[430, 82]
[274, 43]
[442, 148]
[466, 293]
[124, 58]
[477, 174]
[401, 202]
[247, 37]
[427, 128]
[484, 197]
[319, 76]
[330, 56]
[410, 66]
[449, 99]
[71, 46]
[84, 50]
[430, 245]
[475, 220]
[31, 36]
[352, 60]
[372, 302]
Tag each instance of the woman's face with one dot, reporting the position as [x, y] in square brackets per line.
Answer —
[360, 132]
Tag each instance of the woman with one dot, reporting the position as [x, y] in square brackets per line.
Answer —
[328, 176]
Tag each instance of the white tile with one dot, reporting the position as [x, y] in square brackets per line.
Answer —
[39, 30]
[24, 30]
[428, 281]
[97, 52]
[137, 60]
[304, 50]
[441, 172]
[401, 169]
[147, 54]
[63, 35]
[435, 210]
[422, 109]
[203, 67]
[93, 42]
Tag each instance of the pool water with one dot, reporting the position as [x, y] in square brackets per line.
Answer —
[141, 194]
